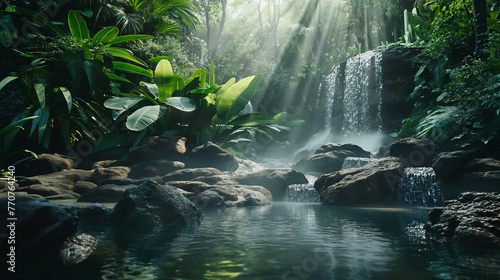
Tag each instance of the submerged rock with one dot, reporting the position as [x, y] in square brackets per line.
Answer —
[374, 183]
[233, 195]
[152, 206]
[472, 220]
[77, 249]
[41, 227]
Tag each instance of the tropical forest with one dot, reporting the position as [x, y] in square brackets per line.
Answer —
[250, 139]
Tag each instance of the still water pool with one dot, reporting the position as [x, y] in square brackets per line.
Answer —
[286, 241]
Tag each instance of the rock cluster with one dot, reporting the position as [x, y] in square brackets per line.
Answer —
[471, 220]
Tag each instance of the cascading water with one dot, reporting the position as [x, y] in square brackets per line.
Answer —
[353, 96]
[302, 192]
[355, 162]
[418, 186]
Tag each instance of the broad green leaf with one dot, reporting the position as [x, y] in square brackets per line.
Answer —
[40, 93]
[115, 77]
[78, 27]
[201, 74]
[122, 103]
[151, 87]
[177, 83]
[54, 30]
[132, 69]
[181, 103]
[144, 117]
[127, 38]
[235, 98]
[125, 54]
[7, 80]
[67, 97]
[106, 35]
[253, 120]
[14, 126]
[42, 126]
[163, 79]
[206, 90]
[155, 60]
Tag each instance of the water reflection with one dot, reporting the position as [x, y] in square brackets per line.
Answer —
[285, 241]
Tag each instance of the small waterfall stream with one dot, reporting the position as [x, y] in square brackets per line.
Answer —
[302, 192]
[352, 96]
[418, 187]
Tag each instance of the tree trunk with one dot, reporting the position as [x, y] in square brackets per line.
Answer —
[481, 27]
[219, 34]
[207, 19]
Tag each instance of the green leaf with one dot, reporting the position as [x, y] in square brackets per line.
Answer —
[115, 77]
[7, 80]
[132, 69]
[111, 140]
[67, 97]
[127, 38]
[163, 79]
[78, 27]
[106, 35]
[42, 126]
[144, 117]
[181, 103]
[121, 104]
[40, 93]
[125, 54]
[155, 60]
[44, 22]
[253, 120]
[151, 88]
[233, 99]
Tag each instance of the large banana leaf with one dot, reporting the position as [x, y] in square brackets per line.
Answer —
[78, 27]
[130, 68]
[125, 54]
[232, 99]
[106, 35]
[181, 103]
[121, 104]
[127, 38]
[144, 117]
[163, 79]
[7, 80]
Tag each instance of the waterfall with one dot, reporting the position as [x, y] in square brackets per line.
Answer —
[418, 186]
[302, 192]
[352, 104]
[355, 162]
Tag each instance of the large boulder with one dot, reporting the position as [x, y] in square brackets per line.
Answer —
[355, 150]
[160, 147]
[472, 220]
[57, 183]
[374, 183]
[110, 190]
[103, 173]
[211, 155]
[188, 174]
[276, 180]
[152, 206]
[324, 162]
[414, 152]
[77, 248]
[233, 195]
[45, 164]
[153, 168]
[458, 172]
[448, 165]
[40, 230]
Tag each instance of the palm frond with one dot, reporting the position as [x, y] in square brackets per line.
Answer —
[439, 124]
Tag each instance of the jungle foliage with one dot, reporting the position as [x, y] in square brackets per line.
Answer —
[457, 93]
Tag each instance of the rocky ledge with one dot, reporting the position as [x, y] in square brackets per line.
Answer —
[472, 220]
